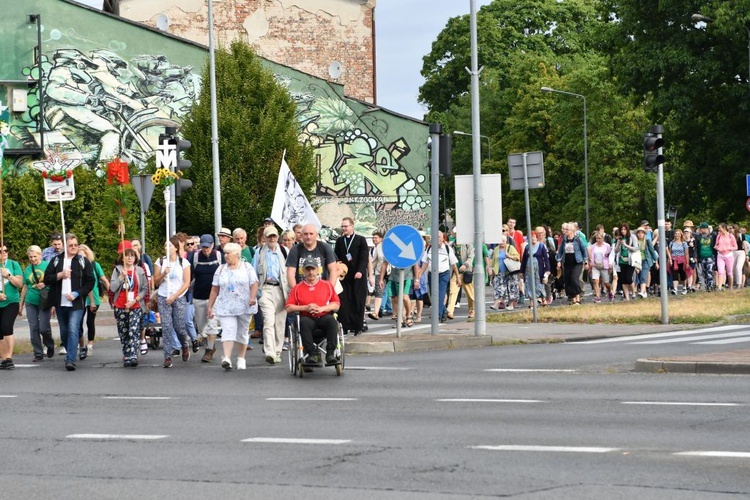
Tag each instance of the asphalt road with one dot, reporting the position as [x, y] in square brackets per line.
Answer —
[526, 421]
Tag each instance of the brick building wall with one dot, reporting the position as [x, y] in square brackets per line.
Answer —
[306, 35]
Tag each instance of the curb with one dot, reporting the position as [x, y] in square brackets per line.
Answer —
[692, 367]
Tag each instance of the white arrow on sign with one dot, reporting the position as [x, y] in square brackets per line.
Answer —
[407, 251]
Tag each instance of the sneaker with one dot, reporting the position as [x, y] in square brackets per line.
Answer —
[331, 359]
[196, 346]
[185, 353]
[642, 295]
[597, 300]
[674, 291]
[90, 348]
[62, 351]
[208, 356]
[611, 296]
[50, 351]
[241, 363]
[3, 365]
[127, 363]
[9, 364]
[277, 360]
[510, 308]
[70, 366]
[176, 352]
[226, 363]
[167, 363]
[134, 362]
[286, 345]
[38, 358]
[84, 353]
[270, 359]
[684, 291]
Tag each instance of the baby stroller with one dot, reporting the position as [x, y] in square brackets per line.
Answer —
[152, 325]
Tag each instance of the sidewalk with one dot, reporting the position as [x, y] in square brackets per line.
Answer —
[461, 334]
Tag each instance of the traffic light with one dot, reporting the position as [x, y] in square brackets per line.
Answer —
[652, 143]
[181, 164]
[445, 161]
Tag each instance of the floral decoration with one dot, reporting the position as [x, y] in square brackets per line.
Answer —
[57, 166]
[164, 177]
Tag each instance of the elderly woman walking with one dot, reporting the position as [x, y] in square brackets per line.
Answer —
[233, 300]
[505, 279]
[38, 311]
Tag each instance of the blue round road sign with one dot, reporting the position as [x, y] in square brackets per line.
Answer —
[402, 246]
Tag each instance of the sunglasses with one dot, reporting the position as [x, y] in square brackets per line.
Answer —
[190, 244]
[4, 250]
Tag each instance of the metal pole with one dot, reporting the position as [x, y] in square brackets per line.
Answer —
[400, 314]
[143, 231]
[748, 54]
[586, 165]
[41, 88]
[435, 131]
[214, 121]
[658, 129]
[528, 230]
[480, 321]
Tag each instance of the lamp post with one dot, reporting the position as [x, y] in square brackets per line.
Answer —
[458, 132]
[697, 18]
[585, 151]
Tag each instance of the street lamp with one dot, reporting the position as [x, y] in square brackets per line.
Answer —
[458, 132]
[697, 18]
[585, 151]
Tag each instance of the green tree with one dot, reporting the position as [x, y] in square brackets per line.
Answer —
[256, 124]
[694, 80]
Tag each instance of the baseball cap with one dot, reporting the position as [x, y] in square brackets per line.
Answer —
[270, 231]
[703, 225]
[268, 220]
[309, 262]
[124, 245]
[225, 232]
[644, 222]
[207, 240]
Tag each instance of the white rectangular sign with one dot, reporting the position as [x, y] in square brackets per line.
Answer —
[59, 190]
[492, 196]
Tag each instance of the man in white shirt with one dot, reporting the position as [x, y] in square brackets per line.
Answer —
[446, 268]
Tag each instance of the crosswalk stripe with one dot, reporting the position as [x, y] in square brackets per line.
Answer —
[568, 449]
[693, 338]
[685, 334]
[726, 341]
[295, 440]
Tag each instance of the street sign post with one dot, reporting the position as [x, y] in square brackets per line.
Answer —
[402, 248]
[534, 166]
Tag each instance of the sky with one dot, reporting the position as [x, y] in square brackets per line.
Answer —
[404, 32]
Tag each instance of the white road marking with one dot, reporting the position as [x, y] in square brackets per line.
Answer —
[726, 341]
[7, 396]
[692, 339]
[683, 333]
[385, 368]
[490, 400]
[311, 399]
[26, 366]
[722, 454]
[130, 437]
[564, 449]
[296, 441]
[145, 398]
[527, 370]
[677, 403]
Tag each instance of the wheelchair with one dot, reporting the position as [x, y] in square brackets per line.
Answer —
[300, 363]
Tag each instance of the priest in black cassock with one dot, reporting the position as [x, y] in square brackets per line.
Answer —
[351, 249]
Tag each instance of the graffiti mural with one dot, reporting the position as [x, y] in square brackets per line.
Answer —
[99, 105]
[110, 87]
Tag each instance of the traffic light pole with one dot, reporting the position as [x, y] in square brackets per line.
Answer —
[658, 130]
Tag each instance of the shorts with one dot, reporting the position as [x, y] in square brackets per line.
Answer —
[393, 288]
[605, 275]
[377, 292]
[8, 315]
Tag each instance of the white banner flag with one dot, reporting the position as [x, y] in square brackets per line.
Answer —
[290, 205]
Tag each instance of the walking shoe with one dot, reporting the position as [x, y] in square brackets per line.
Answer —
[597, 300]
[185, 352]
[3, 365]
[9, 364]
[70, 366]
[241, 363]
[277, 360]
[84, 353]
[38, 358]
[510, 308]
[684, 291]
[611, 296]
[127, 363]
[286, 345]
[167, 363]
[674, 291]
[331, 359]
[50, 351]
[208, 355]
[226, 363]
[196, 346]
[270, 359]
[176, 352]
[134, 362]
[62, 351]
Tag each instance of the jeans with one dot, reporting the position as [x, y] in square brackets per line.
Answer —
[189, 318]
[69, 320]
[39, 329]
[444, 279]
